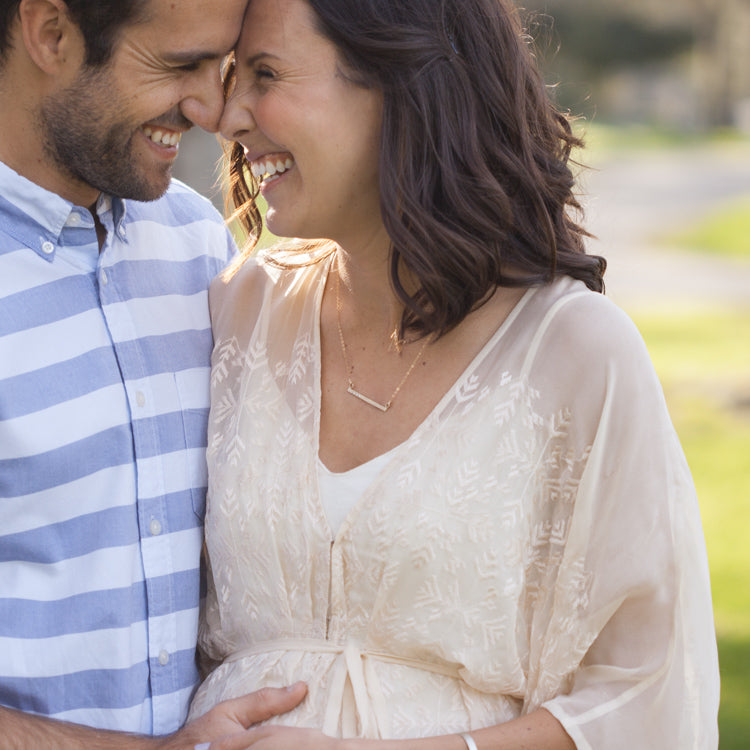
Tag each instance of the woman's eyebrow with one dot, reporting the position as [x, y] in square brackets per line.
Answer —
[252, 59]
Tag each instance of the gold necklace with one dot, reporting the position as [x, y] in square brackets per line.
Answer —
[350, 385]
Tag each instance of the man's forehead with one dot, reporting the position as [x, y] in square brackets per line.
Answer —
[198, 22]
[207, 10]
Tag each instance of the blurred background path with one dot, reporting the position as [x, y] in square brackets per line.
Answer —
[634, 198]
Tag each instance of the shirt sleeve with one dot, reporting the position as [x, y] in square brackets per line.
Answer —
[632, 595]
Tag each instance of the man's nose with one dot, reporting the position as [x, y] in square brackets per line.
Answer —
[205, 102]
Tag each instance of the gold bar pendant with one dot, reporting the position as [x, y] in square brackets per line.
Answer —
[362, 397]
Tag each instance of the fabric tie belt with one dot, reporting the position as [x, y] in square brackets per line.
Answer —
[364, 701]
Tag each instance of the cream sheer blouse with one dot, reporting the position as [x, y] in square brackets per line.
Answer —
[535, 542]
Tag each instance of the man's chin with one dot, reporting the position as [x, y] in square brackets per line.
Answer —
[152, 194]
[144, 188]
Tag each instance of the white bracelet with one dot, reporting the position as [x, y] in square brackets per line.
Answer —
[469, 740]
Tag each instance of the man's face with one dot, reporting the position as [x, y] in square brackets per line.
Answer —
[116, 128]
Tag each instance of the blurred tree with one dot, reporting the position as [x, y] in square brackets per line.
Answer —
[584, 43]
[723, 35]
[600, 38]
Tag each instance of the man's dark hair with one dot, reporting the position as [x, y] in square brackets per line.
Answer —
[100, 22]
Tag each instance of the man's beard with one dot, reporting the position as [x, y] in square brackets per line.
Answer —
[87, 141]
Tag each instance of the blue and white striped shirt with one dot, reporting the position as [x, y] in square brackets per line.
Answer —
[104, 369]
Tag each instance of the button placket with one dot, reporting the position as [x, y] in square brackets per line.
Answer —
[335, 591]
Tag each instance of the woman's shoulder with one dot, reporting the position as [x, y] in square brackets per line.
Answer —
[237, 293]
[581, 340]
[283, 272]
[279, 267]
[587, 321]
[248, 274]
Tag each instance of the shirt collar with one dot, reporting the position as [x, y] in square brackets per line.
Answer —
[36, 217]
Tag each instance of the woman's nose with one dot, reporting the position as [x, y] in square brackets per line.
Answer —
[236, 118]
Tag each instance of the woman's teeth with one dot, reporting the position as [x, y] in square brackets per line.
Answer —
[162, 137]
[270, 167]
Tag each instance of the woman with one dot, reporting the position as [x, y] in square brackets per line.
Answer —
[444, 489]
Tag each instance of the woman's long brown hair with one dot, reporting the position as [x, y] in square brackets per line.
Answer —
[475, 179]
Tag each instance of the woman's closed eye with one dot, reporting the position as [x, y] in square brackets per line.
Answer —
[263, 74]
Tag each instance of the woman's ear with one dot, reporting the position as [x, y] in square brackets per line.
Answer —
[53, 41]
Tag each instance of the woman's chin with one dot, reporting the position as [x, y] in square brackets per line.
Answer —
[276, 224]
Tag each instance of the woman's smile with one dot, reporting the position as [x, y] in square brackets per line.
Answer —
[306, 124]
[265, 167]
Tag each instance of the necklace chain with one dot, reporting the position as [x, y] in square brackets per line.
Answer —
[349, 370]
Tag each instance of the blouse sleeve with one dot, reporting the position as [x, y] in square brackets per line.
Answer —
[642, 618]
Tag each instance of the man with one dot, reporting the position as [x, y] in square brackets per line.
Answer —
[104, 361]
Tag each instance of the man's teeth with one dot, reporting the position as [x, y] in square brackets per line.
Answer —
[270, 167]
[162, 137]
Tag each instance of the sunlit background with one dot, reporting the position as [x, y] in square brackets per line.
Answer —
[663, 91]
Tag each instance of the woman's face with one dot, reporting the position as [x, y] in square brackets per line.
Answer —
[311, 134]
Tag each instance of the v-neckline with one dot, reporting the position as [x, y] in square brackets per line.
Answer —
[429, 418]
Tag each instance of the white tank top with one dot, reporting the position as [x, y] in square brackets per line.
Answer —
[340, 492]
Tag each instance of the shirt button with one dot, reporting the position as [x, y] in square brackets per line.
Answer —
[48, 248]
[163, 658]
[154, 527]
[104, 278]
[73, 220]
[140, 398]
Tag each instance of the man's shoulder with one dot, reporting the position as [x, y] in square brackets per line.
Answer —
[179, 206]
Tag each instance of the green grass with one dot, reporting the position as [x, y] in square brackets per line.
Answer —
[724, 232]
[734, 656]
[705, 372]
[602, 139]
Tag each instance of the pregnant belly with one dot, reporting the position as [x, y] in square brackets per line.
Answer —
[355, 692]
